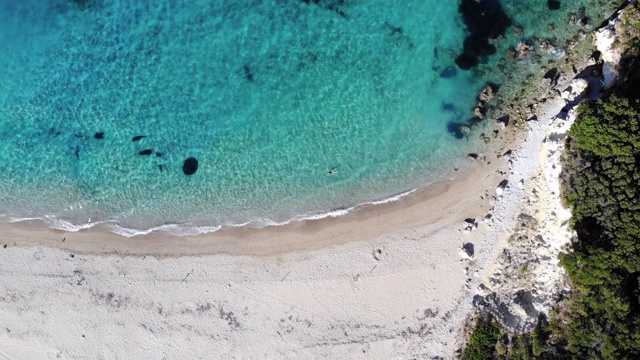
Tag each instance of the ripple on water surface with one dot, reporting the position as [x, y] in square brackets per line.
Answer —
[208, 113]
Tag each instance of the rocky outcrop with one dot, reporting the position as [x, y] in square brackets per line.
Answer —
[576, 91]
[485, 21]
[606, 41]
[525, 282]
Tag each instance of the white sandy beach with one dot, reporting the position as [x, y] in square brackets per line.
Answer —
[385, 282]
[312, 289]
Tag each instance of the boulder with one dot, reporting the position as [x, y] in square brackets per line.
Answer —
[467, 250]
[500, 189]
[190, 166]
[487, 93]
[523, 49]
[577, 90]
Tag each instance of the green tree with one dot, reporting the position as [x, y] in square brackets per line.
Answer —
[602, 189]
[482, 343]
[608, 127]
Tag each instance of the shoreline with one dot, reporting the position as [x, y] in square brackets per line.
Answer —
[386, 281]
[274, 239]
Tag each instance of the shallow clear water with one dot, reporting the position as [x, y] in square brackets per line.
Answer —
[266, 95]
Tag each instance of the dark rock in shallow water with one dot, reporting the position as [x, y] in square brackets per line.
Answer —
[485, 20]
[455, 129]
[138, 137]
[146, 152]
[449, 71]
[190, 166]
[553, 4]
[99, 135]
[466, 61]
[448, 107]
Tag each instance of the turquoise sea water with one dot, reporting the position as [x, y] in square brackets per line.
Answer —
[266, 95]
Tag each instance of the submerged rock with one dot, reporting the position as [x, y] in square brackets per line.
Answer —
[146, 152]
[485, 20]
[190, 166]
[553, 4]
[99, 135]
[448, 72]
[448, 107]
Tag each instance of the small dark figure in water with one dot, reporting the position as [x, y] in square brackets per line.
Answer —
[332, 171]
[138, 137]
[53, 132]
[247, 73]
[99, 135]
[146, 152]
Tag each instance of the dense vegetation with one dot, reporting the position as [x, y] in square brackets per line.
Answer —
[601, 317]
[604, 264]
[489, 341]
[482, 342]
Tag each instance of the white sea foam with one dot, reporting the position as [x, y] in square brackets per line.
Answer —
[186, 229]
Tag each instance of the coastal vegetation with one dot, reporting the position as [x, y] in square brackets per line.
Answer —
[482, 343]
[600, 317]
[602, 188]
